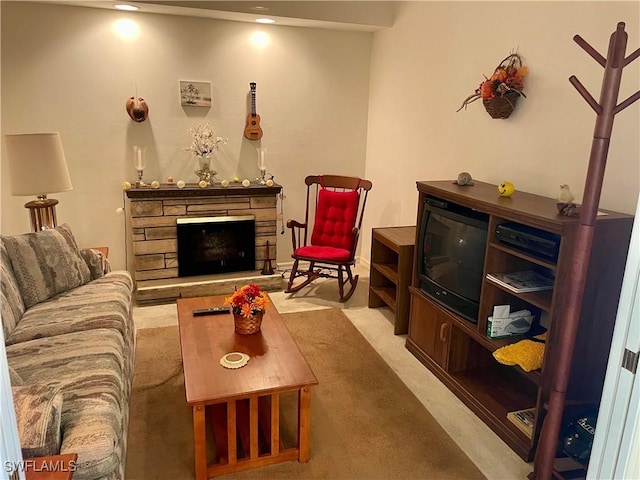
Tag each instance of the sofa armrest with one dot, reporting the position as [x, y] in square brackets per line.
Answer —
[97, 261]
[38, 414]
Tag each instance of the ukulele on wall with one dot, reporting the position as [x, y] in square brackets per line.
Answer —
[253, 131]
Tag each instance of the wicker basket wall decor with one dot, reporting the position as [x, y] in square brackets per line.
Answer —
[501, 107]
[500, 92]
[247, 325]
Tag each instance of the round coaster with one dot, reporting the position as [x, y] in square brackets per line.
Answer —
[234, 360]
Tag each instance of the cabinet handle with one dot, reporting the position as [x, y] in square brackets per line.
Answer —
[443, 332]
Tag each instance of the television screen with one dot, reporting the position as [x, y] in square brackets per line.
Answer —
[452, 257]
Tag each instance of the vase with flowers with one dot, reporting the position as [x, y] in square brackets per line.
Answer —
[203, 146]
[248, 305]
[501, 91]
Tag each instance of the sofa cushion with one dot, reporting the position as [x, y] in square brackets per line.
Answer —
[11, 304]
[38, 411]
[46, 263]
[97, 262]
[101, 303]
[335, 218]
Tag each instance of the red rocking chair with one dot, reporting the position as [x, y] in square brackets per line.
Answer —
[337, 204]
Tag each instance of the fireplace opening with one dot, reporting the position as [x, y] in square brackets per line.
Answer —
[209, 245]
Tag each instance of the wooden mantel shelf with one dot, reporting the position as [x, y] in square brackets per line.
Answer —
[193, 190]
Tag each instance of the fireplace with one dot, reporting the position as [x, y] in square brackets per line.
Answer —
[152, 237]
[210, 245]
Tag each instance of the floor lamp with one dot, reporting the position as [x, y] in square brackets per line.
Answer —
[37, 167]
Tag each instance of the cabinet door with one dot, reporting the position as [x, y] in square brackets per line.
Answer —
[429, 329]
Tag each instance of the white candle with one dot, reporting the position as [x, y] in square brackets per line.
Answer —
[138, 158]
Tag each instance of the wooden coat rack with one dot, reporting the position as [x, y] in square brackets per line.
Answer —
[605, 110]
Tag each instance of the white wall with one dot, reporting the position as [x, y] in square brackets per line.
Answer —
[435, 55]
[65, 69]
[328, 100]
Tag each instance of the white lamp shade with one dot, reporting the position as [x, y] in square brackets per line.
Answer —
[36, 164]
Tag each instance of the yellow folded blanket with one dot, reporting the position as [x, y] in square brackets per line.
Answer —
[527, 354]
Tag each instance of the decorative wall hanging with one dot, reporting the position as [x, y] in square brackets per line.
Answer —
[253, 131]
[137, 109]
[501, 91]
[195, 94]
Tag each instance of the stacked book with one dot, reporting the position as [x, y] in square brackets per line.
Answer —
[521, 282]
[524, 420]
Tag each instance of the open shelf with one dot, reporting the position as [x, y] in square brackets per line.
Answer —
[541, 299]
[389, 270]
[386, 294]
[390, 273]
[517, 253]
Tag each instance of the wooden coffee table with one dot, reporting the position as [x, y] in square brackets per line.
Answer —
[243, 404]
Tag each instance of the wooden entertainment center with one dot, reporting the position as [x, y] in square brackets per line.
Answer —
[459, 352]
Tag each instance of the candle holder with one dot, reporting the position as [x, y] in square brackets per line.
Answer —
[139, 161]
[262, 179]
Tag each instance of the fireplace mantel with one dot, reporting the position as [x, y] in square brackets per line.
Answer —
[193, 190]
[152, 236]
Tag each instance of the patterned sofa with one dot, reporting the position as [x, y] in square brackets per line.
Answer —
[69, 336]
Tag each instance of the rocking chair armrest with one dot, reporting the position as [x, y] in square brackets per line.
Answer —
[295, 224]
[297, 235]
[356, 236]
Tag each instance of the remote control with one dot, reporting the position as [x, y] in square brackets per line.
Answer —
[211, 311]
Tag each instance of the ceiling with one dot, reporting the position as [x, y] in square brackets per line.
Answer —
[345, 15]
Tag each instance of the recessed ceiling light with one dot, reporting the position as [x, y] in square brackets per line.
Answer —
[260, 8]
[265, 20]
[128, 8]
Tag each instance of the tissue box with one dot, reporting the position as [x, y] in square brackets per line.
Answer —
[516, 323]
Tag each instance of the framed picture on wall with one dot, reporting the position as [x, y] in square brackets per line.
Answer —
[195, 94]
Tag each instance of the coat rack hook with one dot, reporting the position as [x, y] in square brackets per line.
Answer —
[627, 102]
[590, 50]
[632, 57]
[585, 94]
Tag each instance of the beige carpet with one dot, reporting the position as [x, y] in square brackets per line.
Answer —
[365, 421]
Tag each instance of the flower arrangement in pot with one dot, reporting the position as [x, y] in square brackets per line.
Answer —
[248, 305]
[204, 144]
[501, 91]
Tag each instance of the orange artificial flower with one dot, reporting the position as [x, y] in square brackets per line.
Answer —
[507, 77]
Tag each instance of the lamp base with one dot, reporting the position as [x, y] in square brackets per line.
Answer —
[42, 212]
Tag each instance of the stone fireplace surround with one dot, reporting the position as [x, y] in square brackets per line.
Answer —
[151, 215]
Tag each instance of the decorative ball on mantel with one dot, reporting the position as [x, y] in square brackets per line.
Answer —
[126, 185]
[224, 183]
[202, 184]
[180, 184]
[246, 183]
[169, 179]
[155, 184]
